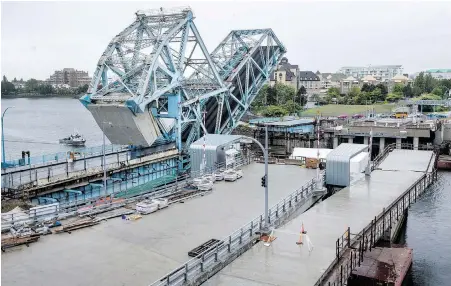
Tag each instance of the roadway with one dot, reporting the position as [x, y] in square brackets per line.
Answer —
[118, 252]
[286, 263]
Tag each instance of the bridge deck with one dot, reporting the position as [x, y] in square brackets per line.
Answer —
[285, 263]
[118, 252]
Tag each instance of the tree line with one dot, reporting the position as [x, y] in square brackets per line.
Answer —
[34, 86]
[423, 87]
[279, 100]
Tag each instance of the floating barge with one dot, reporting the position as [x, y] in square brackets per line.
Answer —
[444, 162]
[383, 266]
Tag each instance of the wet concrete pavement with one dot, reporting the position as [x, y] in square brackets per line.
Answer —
[286, 263]
[118, 252]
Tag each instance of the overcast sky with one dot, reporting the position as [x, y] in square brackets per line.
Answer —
[40, 37]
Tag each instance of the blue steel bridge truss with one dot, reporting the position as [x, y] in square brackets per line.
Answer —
[159, 69]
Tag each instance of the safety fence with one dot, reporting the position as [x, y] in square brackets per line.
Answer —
[351, 247]
[63, 208]
[200, 268]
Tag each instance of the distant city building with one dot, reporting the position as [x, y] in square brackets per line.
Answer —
[348, 83]
[310, 81]
[380, 73]
[440, 73]
[18, 84]
[69, 76]
[286, 73]
[329, 80]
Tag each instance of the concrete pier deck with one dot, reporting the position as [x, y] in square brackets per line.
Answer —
[118, 252]
[286, 263]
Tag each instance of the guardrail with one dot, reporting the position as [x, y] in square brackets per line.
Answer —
[65, 209]
[351, 247]
[200, 268]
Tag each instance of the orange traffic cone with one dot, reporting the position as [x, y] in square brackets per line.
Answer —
[302, 229]
[299, 242]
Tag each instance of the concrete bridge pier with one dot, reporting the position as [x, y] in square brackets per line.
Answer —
[398, 143]
[350, 140]
[381, 144]
[365, 140]
[335, 143]
[416, 141]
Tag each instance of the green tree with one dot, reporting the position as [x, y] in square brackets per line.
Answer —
[438, 91]
[301, 95]
[392, 97]
[354, 92]
[31, 85]
[383, 89]
[429, 83]
[291, 107]
[7, 87]
[419, 83]
[407, 91]
[376, 95]
[274, 111]
[398, 88]
[368, 87]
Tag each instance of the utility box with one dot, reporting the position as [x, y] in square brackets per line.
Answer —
[218, 150]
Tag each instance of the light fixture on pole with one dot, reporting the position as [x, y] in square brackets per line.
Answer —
[3, 138]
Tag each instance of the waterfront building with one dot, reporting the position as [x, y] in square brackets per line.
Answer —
[440, 73]
[69, 76]
[285, 73]
[381, 73]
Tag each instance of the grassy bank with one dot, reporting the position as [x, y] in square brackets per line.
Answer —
[337, 109]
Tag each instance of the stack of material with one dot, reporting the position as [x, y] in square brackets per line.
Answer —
[12, 241]
[82, 223]
[311, 163]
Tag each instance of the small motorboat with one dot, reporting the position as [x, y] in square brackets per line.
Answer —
[205, 185]
[74, 139]
[150, 206]
[230, 175]
[219, 176]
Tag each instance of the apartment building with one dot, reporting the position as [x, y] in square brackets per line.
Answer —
[381, 73]
[70, 77]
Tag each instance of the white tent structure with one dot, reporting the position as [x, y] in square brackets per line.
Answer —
[299, 153]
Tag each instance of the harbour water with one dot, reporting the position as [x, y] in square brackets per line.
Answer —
[35, 125]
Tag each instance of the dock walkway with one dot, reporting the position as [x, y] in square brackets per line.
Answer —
[286, 263]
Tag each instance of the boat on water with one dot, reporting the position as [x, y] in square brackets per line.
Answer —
[205, 185]
[219, 176]
[74, 139]
[150, 206]
[230, 175]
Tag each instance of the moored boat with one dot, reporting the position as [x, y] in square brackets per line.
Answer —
[74, 139]
[230, 175]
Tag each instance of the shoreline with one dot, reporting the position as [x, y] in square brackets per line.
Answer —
[10, 96]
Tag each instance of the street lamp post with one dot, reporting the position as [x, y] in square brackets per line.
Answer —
[3, 137]
[265, 154]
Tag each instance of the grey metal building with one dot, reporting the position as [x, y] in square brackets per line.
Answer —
[217, 148]
[338, 164]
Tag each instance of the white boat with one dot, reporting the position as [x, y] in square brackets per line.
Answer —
[146, 207]
[150, 206]
[219, 176]
[162, 203]
[74, 139]
[230, 175]
[239, 173]
[205, 185]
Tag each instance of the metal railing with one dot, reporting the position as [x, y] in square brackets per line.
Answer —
[351, 247]
[225, 251]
